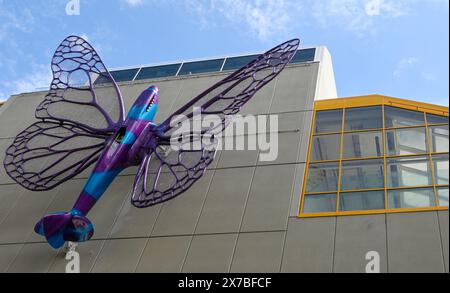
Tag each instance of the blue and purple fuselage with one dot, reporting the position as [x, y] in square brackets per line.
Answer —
[120, 152]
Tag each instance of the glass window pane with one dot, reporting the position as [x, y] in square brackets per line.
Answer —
[322, 177]
[413, 171]
[360, 201]
[435, 119]
[396, 117]
[443, 196]
[124, 75]
[363, 118]
[201, 67]
[304, 55]
[440, 163]
[325, 147]
[235, 63]
[328, 121]
[411, 198]
[362, 145]
[364, 174]
[439, 138]
[158, 71]
[319, 203]
[409, 141]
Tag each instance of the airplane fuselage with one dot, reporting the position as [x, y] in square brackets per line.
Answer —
[116, 155]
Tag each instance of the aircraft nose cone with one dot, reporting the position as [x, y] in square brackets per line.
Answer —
[153, 88]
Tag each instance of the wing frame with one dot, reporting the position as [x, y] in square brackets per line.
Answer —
[88, 62]
[19, 153]
[237, 76]
[159, 136]
[140, 195]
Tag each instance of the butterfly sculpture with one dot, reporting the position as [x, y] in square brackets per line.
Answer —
[81, 121]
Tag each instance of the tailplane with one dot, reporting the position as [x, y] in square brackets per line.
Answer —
[61, 227]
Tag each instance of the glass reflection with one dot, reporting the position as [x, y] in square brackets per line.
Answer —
[366, 174]
[362, 145]
[354, 201]
[201, 67]
[328, 121]
[408, 172]
[435, 119]
[322, 177]
[396, 117]
[440, 163]
[319, 203]
[410, 141]
[325, 147]
[439, 138]
[411, 198]
[363, 118]
[443, 196]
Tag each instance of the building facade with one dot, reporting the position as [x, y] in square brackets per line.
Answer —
[353, 176]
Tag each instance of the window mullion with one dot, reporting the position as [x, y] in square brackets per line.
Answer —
[340, 162]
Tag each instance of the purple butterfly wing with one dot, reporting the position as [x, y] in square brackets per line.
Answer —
[163, 176]
[76, 117]
[48, 153]
[76, 95]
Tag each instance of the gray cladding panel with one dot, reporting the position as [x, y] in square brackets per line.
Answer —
[88, 252]
[8, 254]
[19, 114]
[119, 256]
[258, 253]
[309, 245]
[414, 243]
[4, 144]
[355, 237]
[210, 253]
[16, 228]
[9, 197]
[267, 208]
[164, 255]
[443, 227]
[33, 258]
[295, 89]
[225, 203]
[180, 215]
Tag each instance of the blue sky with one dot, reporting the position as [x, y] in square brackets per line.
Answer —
[391, 47]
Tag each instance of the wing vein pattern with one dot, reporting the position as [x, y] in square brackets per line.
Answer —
[166, 173]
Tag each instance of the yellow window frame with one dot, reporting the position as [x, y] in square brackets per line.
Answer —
[367, 101]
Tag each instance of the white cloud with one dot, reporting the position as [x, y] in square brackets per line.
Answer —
[3, 97]
[405, 64]
[263, 18]
[358, 16]
[428, 76]
[12, 21]
[39, 78]
[134, 3]
[379, 7]
[268, 18]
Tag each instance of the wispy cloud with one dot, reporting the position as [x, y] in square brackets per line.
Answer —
[12, 21]
[358, 16]
[261, 18]
[3, 97]
[266, 18]
[40, 77]
[133, 3]
[403, 65]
